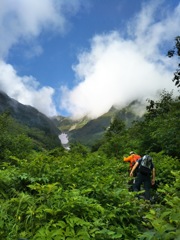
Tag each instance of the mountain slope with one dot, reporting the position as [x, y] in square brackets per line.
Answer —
[29, 116]
[87, 131]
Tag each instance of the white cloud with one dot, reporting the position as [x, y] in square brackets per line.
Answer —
[116, 71]
[25, 90]
[24, 21]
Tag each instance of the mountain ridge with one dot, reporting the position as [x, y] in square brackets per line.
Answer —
[29, 116]
[87, 131]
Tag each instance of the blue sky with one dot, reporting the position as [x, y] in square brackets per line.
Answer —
[80, 57]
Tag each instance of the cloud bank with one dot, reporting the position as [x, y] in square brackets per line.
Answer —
[24, 21]
[117, 70]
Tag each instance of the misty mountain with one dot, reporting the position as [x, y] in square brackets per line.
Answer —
[29, 116]
[87, 131]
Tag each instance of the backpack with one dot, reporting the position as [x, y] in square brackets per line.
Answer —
[135, 158]
[146, 165]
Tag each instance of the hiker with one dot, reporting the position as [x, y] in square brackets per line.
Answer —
[132, 160]
[145, 170]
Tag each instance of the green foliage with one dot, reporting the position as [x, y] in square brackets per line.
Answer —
[163, 221]
[19, 140]
[51, 193]
[69, 195]
[112, 143]
[13, 138]
[163, 125]
[49, 202]
[161, 106]
[158, 131]
[117, 127]
[43, 140]
[113, 147]
[78, 148]
[176, 52]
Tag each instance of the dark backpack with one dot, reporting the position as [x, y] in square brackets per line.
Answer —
[146, 165]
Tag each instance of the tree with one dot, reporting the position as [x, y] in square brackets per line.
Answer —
[13, 138]
[176, 52]
[116, 127]
[159, 107]
[162, 124]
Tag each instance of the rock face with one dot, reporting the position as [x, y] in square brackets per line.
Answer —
[27, 115]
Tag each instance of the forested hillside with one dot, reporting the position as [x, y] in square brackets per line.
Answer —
[83, 193]
[20, 118]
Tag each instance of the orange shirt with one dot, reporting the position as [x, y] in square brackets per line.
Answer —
[132, 159]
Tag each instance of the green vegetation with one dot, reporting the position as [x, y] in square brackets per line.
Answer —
[54, 194]
[158, 131]
[83, 193]
[20, 141]
[176, 52]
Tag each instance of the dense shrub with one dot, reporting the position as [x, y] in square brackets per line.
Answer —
[77, 194]
[82, 197]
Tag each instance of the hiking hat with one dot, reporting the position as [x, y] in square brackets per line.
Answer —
[132, 152]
